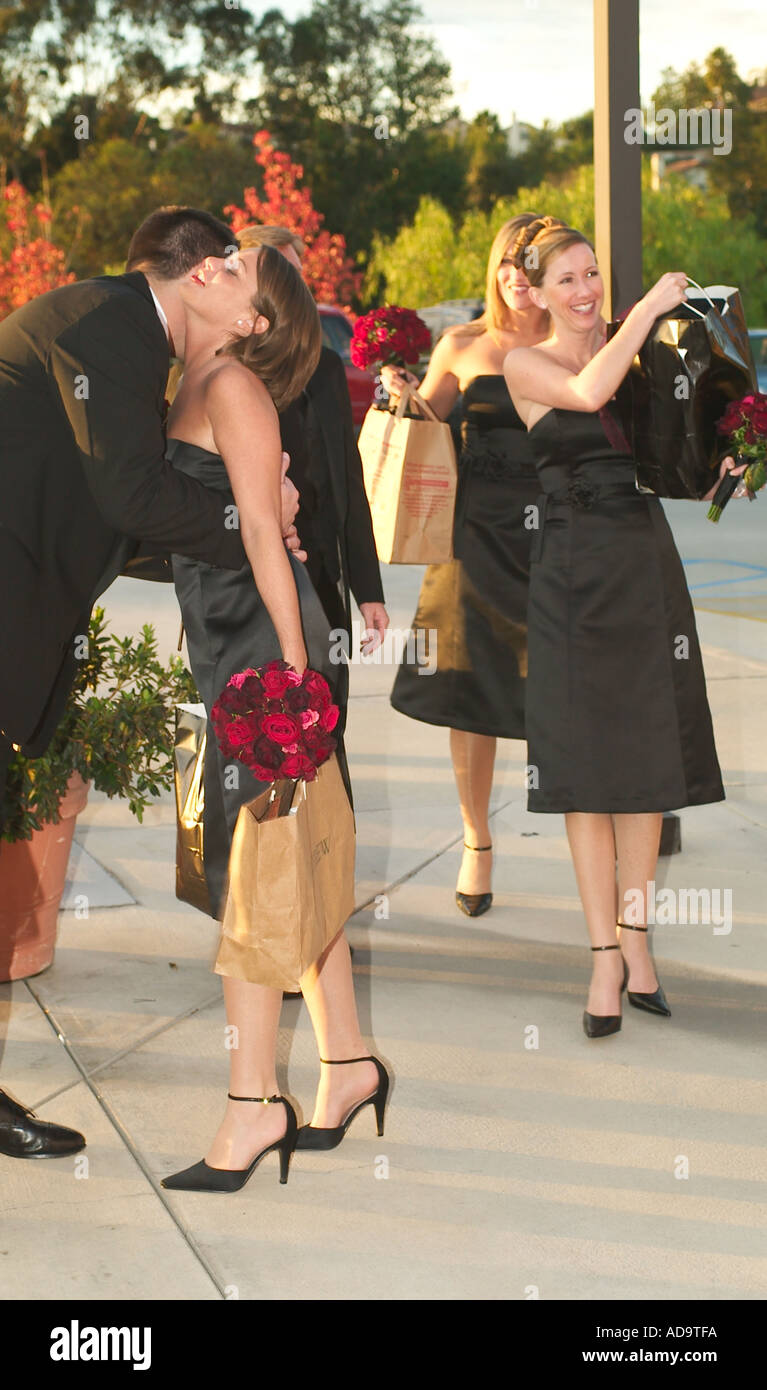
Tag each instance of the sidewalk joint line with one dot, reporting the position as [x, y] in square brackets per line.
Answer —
[118, 1056]
[130, 1146]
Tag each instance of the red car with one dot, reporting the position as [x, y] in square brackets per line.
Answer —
[337, 334]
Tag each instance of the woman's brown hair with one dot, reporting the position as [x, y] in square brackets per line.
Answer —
[286, 354]
[537, 245]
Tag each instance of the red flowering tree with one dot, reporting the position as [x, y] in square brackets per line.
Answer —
[30, 263]
[328, 270]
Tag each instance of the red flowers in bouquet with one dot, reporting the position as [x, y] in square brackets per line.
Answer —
[276, 722]
[390, 335]
[745, 424]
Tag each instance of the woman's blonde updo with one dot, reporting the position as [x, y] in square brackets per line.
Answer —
[286, 354]
[497, 315]
[547, 237]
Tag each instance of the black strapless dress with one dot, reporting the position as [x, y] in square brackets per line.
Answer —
[617, 713]
[228, 629]
[477, 603]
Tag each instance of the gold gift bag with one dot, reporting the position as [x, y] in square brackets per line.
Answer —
[410, 477]
[189, 771]
[291, 880]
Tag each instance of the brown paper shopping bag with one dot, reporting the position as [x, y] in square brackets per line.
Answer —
[410, 477]
[291, 880]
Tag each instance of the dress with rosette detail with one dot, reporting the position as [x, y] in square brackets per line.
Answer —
[617, 712]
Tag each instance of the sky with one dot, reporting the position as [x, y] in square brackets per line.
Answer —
[535, 57]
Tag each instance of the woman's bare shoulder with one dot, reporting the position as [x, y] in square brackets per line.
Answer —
[227, 382]
[463, 335]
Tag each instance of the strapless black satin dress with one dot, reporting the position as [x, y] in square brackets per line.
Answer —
[617, 714]
[228, 629]
[476, 605]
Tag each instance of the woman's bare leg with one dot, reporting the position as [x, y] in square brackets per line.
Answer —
[328, 990]
[592, 845]
[253, 1012]
[473, 758]
[637, 841]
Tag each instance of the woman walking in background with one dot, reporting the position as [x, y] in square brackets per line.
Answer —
[618, 723]
[477, 602]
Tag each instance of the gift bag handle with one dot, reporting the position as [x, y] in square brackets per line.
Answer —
[707, 296]
[410, 394]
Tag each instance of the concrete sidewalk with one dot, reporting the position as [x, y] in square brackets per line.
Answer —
[518, 1155]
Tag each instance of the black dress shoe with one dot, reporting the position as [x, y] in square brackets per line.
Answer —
[474, 904]
[24, 1136]
[202, 1178]
[602, 1025]
[654, 1003]
[312, 1137]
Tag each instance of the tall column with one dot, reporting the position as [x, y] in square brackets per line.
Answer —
[618, 190]
[617, 165]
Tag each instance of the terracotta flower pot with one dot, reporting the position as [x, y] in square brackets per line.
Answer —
[32, 877]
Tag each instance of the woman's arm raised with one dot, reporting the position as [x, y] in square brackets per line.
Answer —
[534, 377]
[247, 434]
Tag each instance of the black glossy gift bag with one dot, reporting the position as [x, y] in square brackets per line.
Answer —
[695, 360]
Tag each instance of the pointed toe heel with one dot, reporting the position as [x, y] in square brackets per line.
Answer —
[313, 1137]
[602, 1025]
[474, 904]
[202, 1178]
[654, 1003]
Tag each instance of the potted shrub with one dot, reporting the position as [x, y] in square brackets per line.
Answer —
[117, 734]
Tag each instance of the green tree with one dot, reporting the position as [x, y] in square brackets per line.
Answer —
[741, 175]
[88, 48]
[358, 97]
[490, 167]
[117, 182]
[683, 228]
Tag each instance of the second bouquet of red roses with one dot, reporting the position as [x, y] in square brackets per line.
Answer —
[744, 423]
[277, 723]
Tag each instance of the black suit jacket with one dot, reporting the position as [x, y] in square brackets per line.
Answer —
[329, 398]
[83, 478]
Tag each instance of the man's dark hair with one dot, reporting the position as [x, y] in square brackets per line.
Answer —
[173, 240]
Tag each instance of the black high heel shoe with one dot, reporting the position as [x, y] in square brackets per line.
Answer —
[474, 904]
[655, 1003]
[602, 1025]
[202, 1178]
[313, 1137]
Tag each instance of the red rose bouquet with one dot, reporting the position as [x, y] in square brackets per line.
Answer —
[745, 424]
[276, 722]
[390, 336]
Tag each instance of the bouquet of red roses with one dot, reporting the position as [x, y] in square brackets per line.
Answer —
[276, 722]
[745, 423]
[391, 336]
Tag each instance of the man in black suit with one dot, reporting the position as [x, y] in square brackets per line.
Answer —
[84, 482]
[333, 518]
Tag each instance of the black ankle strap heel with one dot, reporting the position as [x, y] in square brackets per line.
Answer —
[202, 1178]
[474, 904]
[654, 1003]
[313, 1137]
[602, 1025]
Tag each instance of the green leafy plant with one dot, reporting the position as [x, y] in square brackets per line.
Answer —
[116, 731]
